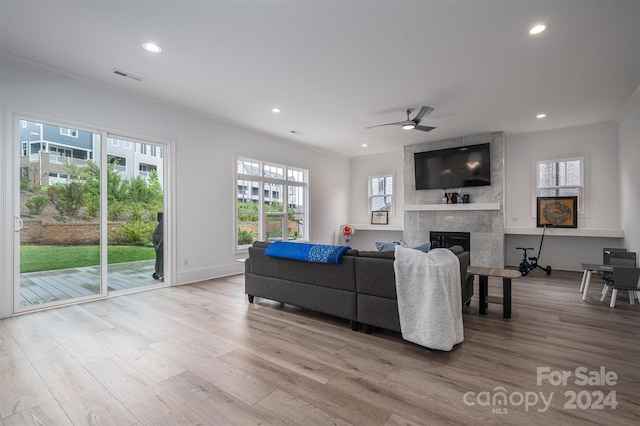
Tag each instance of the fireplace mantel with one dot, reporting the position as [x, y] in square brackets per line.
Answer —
[452, 207]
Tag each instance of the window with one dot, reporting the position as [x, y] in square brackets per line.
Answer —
[271, 202]
[68, 132]
[381, 193]
[119, 163]
[561, 177]
[141, 148]
[62, 152]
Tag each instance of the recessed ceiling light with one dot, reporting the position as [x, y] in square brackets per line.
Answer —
[151, 47]
[275, 110]
[537, 29]
[364, 145]
[543, 115]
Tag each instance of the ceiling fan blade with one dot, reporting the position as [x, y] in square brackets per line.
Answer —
[399, 123]
[424, 128]
[424, 111]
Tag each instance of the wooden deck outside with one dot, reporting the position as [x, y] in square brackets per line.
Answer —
[52, 286]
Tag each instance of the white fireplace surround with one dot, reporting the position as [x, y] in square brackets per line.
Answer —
[482, 218]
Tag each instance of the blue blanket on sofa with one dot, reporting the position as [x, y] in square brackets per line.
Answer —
[318, 253]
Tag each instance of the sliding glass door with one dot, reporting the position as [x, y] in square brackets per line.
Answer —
[89, 209]
[58, 256]
[135, 200]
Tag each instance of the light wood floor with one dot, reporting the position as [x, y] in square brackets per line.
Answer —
[200, 354]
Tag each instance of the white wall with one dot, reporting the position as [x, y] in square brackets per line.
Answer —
[361, 169]
[598, 143]
[629, 136]
[203, 177]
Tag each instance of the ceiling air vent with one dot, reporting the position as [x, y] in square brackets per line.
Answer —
[126, 74]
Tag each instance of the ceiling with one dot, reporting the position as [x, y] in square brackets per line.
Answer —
[336, 67]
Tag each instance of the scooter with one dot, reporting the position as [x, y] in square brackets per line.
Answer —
[528, 264]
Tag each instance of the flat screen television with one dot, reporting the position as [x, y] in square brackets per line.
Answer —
[454, 167]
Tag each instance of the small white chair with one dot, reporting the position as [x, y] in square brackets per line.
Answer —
[624, 278]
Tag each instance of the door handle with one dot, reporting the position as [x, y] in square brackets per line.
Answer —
[20, 224]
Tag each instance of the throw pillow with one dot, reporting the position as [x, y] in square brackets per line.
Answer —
[423, 247]
[384, 246]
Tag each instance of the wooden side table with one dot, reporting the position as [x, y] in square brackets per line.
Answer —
[506, 274]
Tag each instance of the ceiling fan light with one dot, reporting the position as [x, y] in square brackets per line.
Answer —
[152, 47]
[537, 29]
[409, 126]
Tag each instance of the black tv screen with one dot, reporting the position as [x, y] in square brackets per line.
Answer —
[454, 167]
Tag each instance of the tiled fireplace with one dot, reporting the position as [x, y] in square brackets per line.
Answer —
[482, 219]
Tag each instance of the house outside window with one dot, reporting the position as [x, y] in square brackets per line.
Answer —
[381, 193]
[560, 178]
[271, 202]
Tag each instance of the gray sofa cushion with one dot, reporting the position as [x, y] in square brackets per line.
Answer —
[331, 301]
[375, 274]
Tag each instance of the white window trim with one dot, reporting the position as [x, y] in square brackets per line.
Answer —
[583, 203]
[262, 215]
[392, 212]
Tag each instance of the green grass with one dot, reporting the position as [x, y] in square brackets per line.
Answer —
[48, 258]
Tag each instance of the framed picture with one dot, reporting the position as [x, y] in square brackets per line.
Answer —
[557, 212]
[380, 217]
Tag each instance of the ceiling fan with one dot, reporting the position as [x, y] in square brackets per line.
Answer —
[412, 124]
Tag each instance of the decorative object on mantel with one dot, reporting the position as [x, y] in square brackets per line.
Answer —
[347, 231]
[452, 198]
[557, 212]
[380, 217]
[443, 199]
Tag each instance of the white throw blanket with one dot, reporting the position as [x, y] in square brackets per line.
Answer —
[429, 297]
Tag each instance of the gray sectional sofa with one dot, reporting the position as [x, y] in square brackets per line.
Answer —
[361, 288]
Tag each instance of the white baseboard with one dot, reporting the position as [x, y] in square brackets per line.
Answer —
[202, 274]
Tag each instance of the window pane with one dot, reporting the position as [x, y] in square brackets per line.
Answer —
[247, 228]
[274, 227]
[381, 203]
[248, 167]
[377, 186]
[248, 191]
[296, 213]
[296, 175]
[382, 185]
[273, 197]
[560, 173]
[275, 172]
